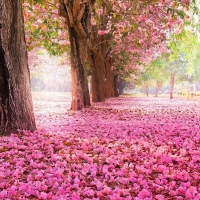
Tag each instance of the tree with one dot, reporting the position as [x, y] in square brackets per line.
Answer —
[16, 109]
[158, 71]
[98, 55]
[144, 80]
[77, 20]
[184, 57]
[109, 76]
[144, 25]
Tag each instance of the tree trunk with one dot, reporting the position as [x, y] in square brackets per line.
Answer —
[147, 90]
[16, 109]
[80, 91]
[116, 91]
[172, 78]
[158, 86]
[157, 90]
[77, 17]
[121, 90]
[109, 78]
[98, 76]
[121, 85]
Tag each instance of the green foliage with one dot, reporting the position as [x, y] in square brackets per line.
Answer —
[156, 72]
[185, 50]
[43, 27]
[33, 2]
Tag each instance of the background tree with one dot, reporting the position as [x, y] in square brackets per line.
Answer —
[184, 57]
[101, 25]
[158, 72]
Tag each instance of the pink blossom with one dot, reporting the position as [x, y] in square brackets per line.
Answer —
[44, 28]
[100, 11]
[177, 31]
[185, 2]
[75, 197]
[190, 192]
[144, 193]
[137, 148]
[160, 197]
[101, 32]
[64, 42]
[3, 194]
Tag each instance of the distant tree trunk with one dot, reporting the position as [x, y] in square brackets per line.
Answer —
[80, 91]
[96, 54]
[158, 86]
[98, 75]
[121, 90]
[121, 85]
[197, 85]
[109, 78]
[16, 108]
[116, 91]
[147, 90]
[172, 78]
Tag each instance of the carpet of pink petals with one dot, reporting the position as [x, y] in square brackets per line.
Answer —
[127, 148]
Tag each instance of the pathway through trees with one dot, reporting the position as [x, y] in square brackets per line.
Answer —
[125, 148]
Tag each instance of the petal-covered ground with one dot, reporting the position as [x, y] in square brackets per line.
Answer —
[126, 148]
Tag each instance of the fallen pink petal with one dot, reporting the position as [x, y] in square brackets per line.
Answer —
[124, 148]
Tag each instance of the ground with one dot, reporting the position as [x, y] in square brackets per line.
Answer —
[126, 148]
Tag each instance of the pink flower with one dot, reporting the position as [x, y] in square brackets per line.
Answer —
[160, 197]
[64, 42]
[144, 193]
[77, 181]
[106, 190]
[44, 28]
[49, 195]
[190, 192]
[12, 190]
[123, 180]
[177, 31]
[16, 173]
[75, 197]
[185, 2]
[3, 194]
[99, 12]
[101, 32]
[192, 30]
[43, 195]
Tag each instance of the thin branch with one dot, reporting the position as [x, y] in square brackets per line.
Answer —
[101, 43]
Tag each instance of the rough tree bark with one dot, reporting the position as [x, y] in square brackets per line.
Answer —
[172, 79]
[158, 86]
[147, 90]
[116, 91]
[16, 109]
[96, 59]
[77, 18]
[80, 90]
[98, 75]
[109, 77]
[121, 85]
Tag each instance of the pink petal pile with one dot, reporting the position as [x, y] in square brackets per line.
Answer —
[125, 148]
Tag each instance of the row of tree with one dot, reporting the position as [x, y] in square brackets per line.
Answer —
[182, 63]
[113, 38]
[100, 33]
